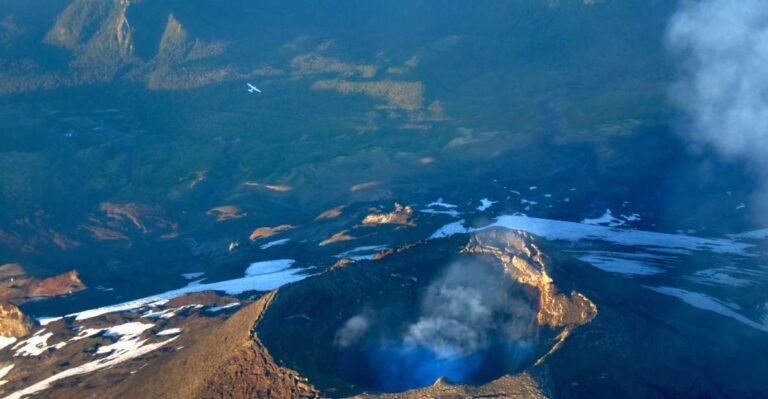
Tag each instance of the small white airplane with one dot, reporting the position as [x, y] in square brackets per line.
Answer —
[253, 89]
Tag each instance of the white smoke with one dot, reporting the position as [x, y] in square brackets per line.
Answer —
[723, 49]
[466, 309]
[354, 329]
[471, 318]
[457, 322]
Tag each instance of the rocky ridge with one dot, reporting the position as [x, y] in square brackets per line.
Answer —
[524, 260]
[238, 363]
[16, 288]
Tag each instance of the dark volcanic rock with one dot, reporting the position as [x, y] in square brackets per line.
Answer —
[371, 313]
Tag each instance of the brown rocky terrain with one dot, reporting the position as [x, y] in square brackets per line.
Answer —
[273, 187]
[266, 232]
[235, 365]
[112, 221]
[103, 233]
[215, 356]
[13, 323]
[221, 355]
[317, 63]
[383, 254]
[522, 386]
[342, 262]
[30, 234]
[225, 212]
[337, 237]
[62, 284]
[331, 213]
[364, 186]
[403, 95]
[524, 261]
[16, 287]
[120, 220]
[400, 215]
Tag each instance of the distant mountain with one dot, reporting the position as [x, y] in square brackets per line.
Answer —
[99, 40]
[171, 44]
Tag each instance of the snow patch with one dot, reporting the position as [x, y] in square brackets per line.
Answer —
[128, 329]
[449, 230]
[192, 276]
[87, 333]
[632, 217]
[259, 276]
[214, 309]
[706, 302]
[485, 203]
[161, 314]
[753, 235]
[169, 312]
[718, 277]
[5, 341]
[170, 331]
[439, 202]
[361, 253]
[607, 219]
[138, 348]
[128, 340]
[44, 321]
[450, 212]
[3, 372]
[528, 203]
[35, 345]
[662, 242]
[275, 243]
[621, 263]
[268, 267]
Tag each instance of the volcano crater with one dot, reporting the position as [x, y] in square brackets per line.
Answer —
[467, 310]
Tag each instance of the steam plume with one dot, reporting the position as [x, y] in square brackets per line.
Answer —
[723, 49]
[473, 323]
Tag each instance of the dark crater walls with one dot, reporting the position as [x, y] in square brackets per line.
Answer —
[406, 320]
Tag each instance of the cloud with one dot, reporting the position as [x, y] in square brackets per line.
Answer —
[722, 46]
